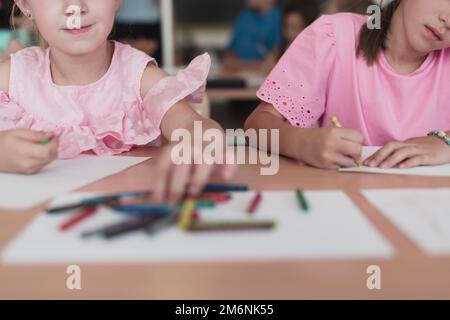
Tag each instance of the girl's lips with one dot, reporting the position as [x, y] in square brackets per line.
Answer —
[434, 33]
[78, 31]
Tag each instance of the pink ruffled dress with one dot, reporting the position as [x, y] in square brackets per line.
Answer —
[108, 116]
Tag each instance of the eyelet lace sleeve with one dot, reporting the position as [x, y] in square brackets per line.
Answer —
[297, 86]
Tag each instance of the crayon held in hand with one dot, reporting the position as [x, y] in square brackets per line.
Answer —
[335, 121]
[186, 214]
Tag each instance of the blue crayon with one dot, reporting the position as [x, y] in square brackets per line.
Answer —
[213, 188]
[145, 209]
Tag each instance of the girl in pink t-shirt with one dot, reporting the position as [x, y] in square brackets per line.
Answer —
[87, 94]
[388, 87]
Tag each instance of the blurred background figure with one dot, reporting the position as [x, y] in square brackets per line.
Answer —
[138, 23]
[355, 6]
[297, 15]
[256, 36]
[13, 38]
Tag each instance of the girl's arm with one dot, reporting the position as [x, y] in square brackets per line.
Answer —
[327, 148]
[304, 71]
[172, 181]
[181, 115]
[266, 117]
[22, 149]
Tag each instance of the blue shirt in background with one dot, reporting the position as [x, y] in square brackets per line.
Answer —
[138, 11]
[256, 34]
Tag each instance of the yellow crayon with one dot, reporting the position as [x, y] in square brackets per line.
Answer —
[335, 122]
[186, 214]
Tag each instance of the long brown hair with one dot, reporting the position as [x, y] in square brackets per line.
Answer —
[373, 41]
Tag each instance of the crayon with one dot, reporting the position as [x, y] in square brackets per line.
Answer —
[335, 121]
[254, 204]
[302, 200]
[232, 226]
[187, 210]
[87, 213]
[214, 188]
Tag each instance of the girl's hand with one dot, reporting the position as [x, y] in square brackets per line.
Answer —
[173, 181]
[22, 151]
[425, 151]
[332, 148]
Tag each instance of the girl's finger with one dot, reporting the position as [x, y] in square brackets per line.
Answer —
[228, 168]
[227, 171]
[178, 182]
[162, 176]
[398, 156]
[51, 151]
[350, 149]
[343, 161]
[36, 164]
[32, 136]
[199, 179]
[416, 161]
[382, 154]
[38, 167]
[54, 146]
[34, 150]
[352, 135]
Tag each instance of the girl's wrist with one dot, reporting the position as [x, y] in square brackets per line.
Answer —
[445, 141]
[444, 136]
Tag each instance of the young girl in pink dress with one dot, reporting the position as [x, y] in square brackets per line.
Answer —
[388, 87]
[84, 93]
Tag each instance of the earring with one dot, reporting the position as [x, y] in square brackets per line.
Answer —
[28, 14]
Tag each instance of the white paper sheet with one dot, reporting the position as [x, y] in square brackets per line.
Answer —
[24, 192]
[422, 214]
[333, 229]
[437, 171]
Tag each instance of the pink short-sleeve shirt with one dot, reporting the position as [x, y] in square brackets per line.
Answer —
[321, 76]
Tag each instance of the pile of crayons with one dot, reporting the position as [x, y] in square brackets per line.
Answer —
[153, 218]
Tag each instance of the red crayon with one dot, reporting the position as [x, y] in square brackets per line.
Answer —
[254, 204]
[83, 215]
[196, 216]
[215, 197]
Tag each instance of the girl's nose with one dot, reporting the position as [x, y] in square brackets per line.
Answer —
[75, 7]
[445, 18]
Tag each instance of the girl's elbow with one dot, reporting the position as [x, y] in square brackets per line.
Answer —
[258, 116]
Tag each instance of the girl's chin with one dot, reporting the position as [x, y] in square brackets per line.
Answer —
[424, 48]
[79, 47]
